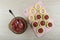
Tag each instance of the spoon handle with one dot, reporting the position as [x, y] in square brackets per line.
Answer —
[11, 13]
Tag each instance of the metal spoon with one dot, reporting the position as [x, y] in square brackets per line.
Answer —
[12, 13]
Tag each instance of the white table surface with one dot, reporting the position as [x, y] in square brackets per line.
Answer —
[18, 6]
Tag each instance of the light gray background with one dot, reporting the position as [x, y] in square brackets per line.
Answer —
[18, 6]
